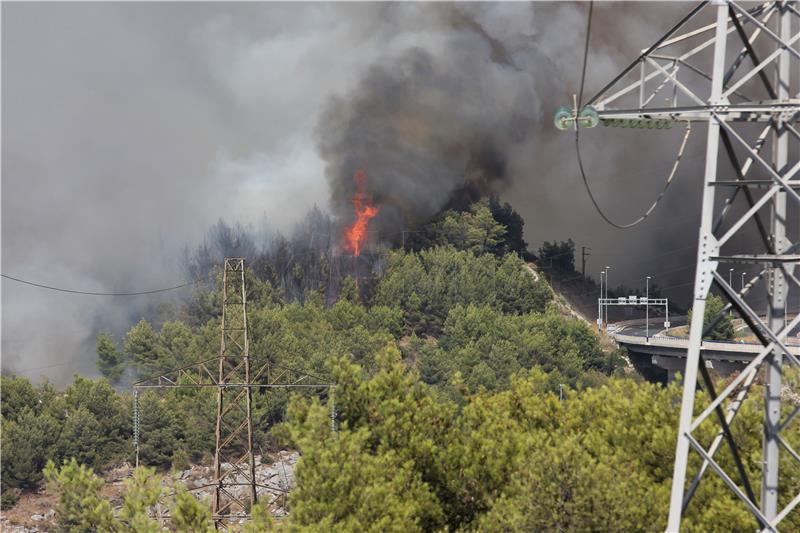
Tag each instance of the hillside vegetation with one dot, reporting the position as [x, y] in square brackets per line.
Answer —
[448, 365]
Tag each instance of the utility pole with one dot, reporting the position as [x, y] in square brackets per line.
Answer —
[744, 47]
[584, 255]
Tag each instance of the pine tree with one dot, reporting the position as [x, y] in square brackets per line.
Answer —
[724, 330]
[110, 361]
[142, 493]
[141, 345]
[190, 515]
[80, 506]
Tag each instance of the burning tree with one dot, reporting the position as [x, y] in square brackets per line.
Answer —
[365, 209]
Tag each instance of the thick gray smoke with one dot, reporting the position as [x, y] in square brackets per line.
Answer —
[466, 111]
[129, 128]
[433, 125]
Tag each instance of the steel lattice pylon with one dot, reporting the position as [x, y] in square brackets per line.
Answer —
[234, 460]
[235, 374]
[751, 88]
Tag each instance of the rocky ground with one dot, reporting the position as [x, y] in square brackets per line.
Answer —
[35, 511]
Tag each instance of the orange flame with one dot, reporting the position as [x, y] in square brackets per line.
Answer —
[356, 233]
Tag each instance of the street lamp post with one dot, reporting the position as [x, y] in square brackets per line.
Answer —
[647, 309]
[607, 272]
[730, 282]
[743, 274]
[599, 304]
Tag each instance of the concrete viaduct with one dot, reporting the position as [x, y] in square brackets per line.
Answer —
[660, 357]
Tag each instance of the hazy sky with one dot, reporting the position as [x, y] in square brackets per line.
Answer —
[129, 128]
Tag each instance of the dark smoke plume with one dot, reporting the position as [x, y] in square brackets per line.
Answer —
[469, 112]
[433, 130]
[441, 124]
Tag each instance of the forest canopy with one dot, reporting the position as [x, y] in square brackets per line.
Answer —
[448, 354]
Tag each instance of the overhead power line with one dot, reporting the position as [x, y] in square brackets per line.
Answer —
[90, 293]
[25, 370]
[578, 147]
[585, 52]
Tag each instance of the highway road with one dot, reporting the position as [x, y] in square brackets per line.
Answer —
[657, 329]
[661, 357]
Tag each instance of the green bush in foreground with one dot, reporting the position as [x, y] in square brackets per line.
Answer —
[82, 509]
[515, 460]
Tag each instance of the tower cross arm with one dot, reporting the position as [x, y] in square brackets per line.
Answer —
[763, 111]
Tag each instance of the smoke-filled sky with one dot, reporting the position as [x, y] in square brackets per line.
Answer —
[129, 128]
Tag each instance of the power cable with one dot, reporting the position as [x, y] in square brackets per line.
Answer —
[24, 370]
[89, 293]
[578, 146]
[585, 53]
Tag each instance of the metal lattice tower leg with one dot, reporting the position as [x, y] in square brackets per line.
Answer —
[234, 460]
[736, 75]
[778, 263]
[707, 247]
[777, 290]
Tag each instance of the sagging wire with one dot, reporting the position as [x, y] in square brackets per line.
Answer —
[675, 165]
[89, 293]
[655, 203]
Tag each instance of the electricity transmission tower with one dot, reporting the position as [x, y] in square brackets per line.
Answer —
[234, 460]
[231, 374]
[749, 101]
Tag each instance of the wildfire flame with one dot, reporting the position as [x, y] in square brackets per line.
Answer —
[356, 233]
